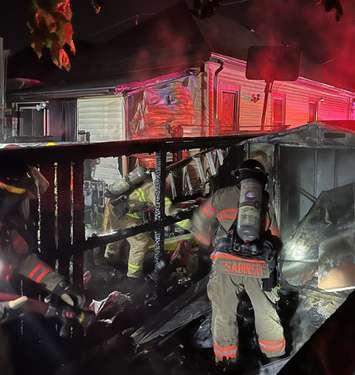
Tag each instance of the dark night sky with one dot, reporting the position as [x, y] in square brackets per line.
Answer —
[86, 22]
[301, 22]
[273, 17]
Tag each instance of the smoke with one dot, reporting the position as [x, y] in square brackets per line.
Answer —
[167, 48]
[328, 46]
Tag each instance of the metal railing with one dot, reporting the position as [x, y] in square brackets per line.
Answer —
[58, 227]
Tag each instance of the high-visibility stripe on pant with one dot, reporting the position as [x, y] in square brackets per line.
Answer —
[272, 346]
[227, 352]
[139, 246]
[223, 291]
[133, 267]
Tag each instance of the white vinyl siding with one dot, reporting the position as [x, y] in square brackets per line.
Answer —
[103, 117]
[333, 108]
[332, 103]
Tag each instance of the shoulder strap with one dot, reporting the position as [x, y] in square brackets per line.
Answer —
[226, 205]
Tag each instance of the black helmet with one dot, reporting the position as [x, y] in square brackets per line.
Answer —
[250, 168]
[15, 178]
[15, 184]
[253, 164]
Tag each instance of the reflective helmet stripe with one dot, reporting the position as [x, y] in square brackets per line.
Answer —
[12, 189]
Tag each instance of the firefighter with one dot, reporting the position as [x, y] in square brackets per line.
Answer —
[19, 184]
[131, 201]
[243, 260]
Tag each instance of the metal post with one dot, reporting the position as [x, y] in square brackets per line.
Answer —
[266, 97]
[64, 215]
[159, 212]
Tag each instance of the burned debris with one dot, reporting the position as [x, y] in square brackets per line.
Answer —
[163, 322]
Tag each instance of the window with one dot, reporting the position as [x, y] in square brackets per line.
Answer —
[313, 111]
[32, 119]
[228, 112]
[278, 110]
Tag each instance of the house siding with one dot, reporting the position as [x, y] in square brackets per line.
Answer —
[333, 103]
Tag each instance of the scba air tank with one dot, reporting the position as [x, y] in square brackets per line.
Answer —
[249, 216]
[131, 181]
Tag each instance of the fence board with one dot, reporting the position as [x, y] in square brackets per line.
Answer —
[64, 215]
[78, 221]
[61, 217]
[47, 216]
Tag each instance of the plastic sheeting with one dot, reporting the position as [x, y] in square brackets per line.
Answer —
[170, 109]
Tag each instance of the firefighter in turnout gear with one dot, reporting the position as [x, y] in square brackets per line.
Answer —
[130, 204]
[19, 184]
[235, 222]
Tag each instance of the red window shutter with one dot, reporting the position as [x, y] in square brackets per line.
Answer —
[228, 112]
[278, 110]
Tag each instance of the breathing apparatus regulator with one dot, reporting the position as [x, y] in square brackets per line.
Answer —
[251, 178]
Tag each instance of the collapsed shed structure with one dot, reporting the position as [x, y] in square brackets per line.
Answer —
[313, 195]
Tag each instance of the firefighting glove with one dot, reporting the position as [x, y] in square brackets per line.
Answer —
[67, 315]
[120, 206]
[74, 324]
[10, 306]
[68, 295]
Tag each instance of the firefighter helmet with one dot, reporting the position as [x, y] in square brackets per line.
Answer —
[15, 177]
[16, 187]
[251, 168]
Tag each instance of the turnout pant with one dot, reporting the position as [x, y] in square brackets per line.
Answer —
[223, 291]
[139, 244]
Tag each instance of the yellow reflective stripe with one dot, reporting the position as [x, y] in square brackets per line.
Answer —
[133, 215]
[137, 195]
[144, 198]
[133, 267]
[184, 224]
[12, 189]
[168, 202]
[141, 195]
